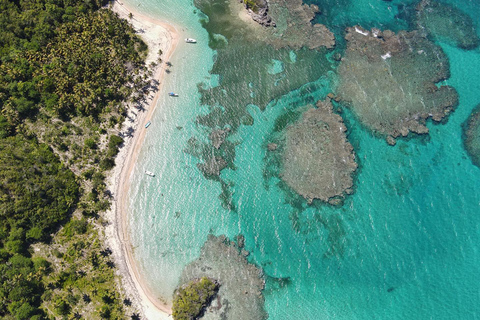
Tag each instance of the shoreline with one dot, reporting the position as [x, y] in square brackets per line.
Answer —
[157, 35]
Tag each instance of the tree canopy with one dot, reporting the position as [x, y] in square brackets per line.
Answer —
[67, 67]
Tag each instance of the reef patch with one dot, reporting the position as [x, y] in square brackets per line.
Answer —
[318, 161]
[471, 136]
[447, 23]
[241, 283]
[295, 28]
[391, 81]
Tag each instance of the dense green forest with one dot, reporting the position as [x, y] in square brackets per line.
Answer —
[67, 70]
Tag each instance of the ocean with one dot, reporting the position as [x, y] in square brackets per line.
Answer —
[404, 245]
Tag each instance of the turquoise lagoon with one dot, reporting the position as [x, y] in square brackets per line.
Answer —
[405, 245]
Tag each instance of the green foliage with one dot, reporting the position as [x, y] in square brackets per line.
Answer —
[114, 143]
[251, 4]
[36, 190]
[191, 299]
[75, 226]
[90, 143]
[60, 60]
[64, 58]
[62, 307]
[20, 284]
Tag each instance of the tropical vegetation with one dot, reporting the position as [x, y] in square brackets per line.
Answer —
[191, 299]
[68, 68]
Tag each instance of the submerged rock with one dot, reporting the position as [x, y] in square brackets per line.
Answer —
[240, 294]
[212, 166]
[318, 161]
[447, 23]
[292, 20]
[294, 24]
[272, 146]
[389, 80]
[218, 137]
[471, 136]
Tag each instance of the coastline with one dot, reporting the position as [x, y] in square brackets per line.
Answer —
[157, 35]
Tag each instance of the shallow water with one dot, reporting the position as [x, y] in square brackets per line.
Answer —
[405, 245]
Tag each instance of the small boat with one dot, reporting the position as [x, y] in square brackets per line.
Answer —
[172, 94]
[149, 173]
[148, 124]
[190, 40]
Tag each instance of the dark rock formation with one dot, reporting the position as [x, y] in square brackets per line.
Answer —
[259, 14]
[240, 239]
[389, 80]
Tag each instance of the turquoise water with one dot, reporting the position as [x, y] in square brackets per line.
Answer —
[405, 245]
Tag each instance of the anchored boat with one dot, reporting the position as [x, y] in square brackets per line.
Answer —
[149, 173]
[148, 124]
[172, 94]
[190, 40]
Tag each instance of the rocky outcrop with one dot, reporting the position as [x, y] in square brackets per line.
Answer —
[259, 14]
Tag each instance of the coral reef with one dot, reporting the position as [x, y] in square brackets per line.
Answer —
[447, 23]
[212, 166]
[318, 161]
[293, 25]
[218, 137]
[241, 283]
[390, 81]
[471, 136]
[289, 22]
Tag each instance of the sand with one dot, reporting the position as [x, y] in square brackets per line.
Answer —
[157, 35]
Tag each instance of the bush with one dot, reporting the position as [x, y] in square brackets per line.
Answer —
[90, 143]
[191, 299]
[62, 307]
[75, 227]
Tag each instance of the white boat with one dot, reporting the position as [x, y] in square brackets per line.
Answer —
[149, 173]
[190, 40]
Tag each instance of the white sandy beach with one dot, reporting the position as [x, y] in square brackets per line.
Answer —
[158, 36]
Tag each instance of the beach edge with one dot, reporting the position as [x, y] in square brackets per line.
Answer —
[159, 35]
